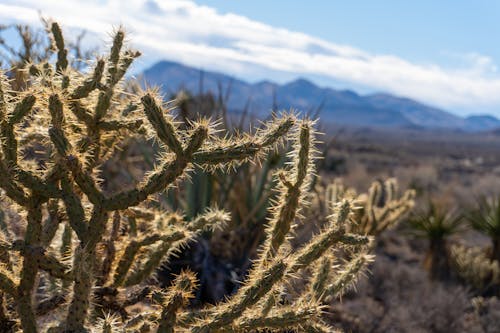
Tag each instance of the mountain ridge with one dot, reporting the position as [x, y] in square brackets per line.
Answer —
[342, 107]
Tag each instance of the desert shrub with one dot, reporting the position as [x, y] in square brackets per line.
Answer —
[86, 252]
[488, 312]
[379, 209]
[475, 268]
[485, 218]
[436, 224]
[398, 297]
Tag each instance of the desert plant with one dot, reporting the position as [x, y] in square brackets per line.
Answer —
[34, 45]
[379, 209]
[473, 266]
[55, 138]
[486, 219]
[436, 224]
[220, 258]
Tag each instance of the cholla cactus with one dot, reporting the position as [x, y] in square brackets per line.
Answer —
[381, 208]
[474, 267]
[94, 251]
[223, 257]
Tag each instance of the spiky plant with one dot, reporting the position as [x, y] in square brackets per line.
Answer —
[485, 218]
[34, 45]
[474, 267]
[379, 209]
[436, 224]
[223, 257]
[85, 254]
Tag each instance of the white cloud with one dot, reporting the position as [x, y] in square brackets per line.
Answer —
[200, 36]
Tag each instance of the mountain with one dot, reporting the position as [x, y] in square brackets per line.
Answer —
[418, 113]
[482, 123]
[341, 107]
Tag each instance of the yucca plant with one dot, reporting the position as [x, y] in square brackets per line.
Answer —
[485, 218]
[436, 224]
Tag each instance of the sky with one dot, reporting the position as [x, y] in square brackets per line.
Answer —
[444, 53]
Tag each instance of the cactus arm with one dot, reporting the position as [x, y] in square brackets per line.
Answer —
[291, 194]
[326, 239]
[10, 147]
[169, 313]
[97, 226]
[51, 223]
[10, 186]
[62, 52]
[114, 57]
[116, 70]
[88, 85]
[44, 260]
[320, 279]
[176, 298]
[131, 250]
[83, 267]
[51, 265]
[110, 252]
[170, 243]
[319, 327]
[74, 209]
[82, 113]
[78, 308]
[22, 108]
[126, 60]
[37, 184]
[116, 125]
[247, 148]
[84, 180]
[289, 317]
[159, 180]
[321, 243]
[165, 130]
[248, 295]
[347, 277]
[164, 250]
[211, 219]
[30, 267]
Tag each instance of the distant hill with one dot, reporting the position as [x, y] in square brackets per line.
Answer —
[482, 123]
[342, 107]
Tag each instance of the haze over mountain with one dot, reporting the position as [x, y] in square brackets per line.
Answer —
[340, 107]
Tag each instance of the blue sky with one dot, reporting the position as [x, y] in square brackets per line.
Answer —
[426, 31]
[444, 53]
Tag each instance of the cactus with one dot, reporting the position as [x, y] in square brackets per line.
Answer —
[473, 266]
[379, 209]
[116, 240]
[480, 267]
[246, 193]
